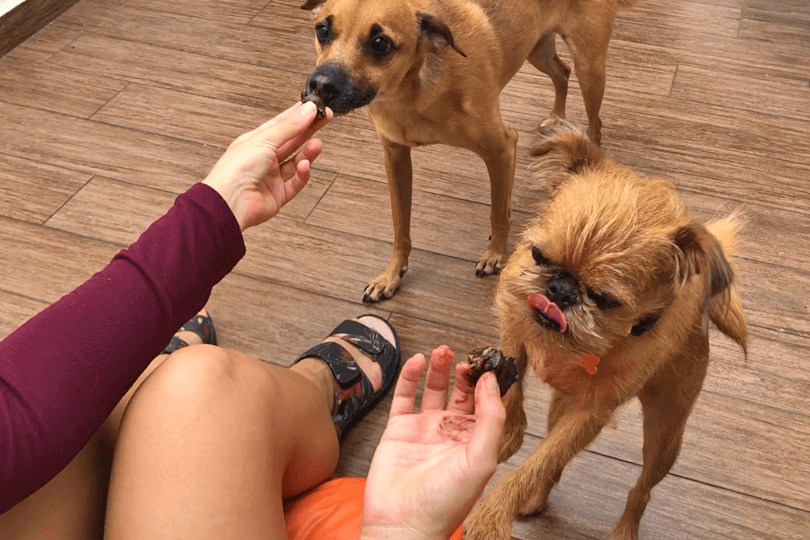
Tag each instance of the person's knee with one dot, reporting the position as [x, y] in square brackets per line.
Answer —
[193, 374]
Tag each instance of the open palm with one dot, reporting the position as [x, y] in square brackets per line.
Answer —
[431, 467]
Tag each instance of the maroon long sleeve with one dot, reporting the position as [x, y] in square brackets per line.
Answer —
[63, 371]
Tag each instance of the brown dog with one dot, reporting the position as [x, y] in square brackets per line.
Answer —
[608, 296]
[431, 71]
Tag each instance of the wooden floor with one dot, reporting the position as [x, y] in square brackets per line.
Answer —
[119, 105]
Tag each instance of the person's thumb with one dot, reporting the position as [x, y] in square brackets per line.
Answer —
[490, 416]
[288, 124]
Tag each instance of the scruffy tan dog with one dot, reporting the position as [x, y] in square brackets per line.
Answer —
[608, 296]
[431, 71]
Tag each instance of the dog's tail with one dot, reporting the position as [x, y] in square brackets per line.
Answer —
[725, 309]
[575, 152]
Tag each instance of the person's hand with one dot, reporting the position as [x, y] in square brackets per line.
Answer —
[255, 176]
[431, 467]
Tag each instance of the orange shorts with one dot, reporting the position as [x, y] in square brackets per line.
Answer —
[331, 511]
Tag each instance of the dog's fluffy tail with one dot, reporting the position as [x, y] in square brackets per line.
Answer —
[725, 309]
[575, 152]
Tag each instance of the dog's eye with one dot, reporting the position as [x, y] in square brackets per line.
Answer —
[381, 46]
[323, 33]
[539, 257]
[603, 301]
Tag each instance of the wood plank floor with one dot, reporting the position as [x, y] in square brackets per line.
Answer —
[119, 105]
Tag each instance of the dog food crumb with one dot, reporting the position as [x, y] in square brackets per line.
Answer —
[490, 359]
[318, 103]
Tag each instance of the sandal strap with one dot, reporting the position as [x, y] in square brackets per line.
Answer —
[201, 325]
[354, 393]
[367, 340]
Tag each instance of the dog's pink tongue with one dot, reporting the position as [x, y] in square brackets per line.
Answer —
[548, 308]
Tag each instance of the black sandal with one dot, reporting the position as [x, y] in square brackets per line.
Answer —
[202, 325]
[354, 394]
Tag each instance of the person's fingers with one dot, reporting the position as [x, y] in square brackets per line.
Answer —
[462, 399]
[309, 152]
[294, 186]
[405, 391]
[286, 149]
[438, 378]
[490, 416]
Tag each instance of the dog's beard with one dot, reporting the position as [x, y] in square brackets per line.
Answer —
[587, 331]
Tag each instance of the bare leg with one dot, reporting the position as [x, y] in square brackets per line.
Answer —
[212, 442]
[72, 504]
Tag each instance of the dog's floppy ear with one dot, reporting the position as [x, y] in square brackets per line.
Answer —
[436, 32]
[700, 253]
[312, 4]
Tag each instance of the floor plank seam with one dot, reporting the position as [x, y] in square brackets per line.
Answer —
[45, 223]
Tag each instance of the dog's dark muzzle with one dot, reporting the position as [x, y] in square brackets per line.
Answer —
[334, 87]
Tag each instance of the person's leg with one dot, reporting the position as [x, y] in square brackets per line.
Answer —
[72, 505]
[214, 440]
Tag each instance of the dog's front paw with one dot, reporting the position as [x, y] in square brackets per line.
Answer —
[384, 286]
[624, 531]
[490, 264]
[488, 521]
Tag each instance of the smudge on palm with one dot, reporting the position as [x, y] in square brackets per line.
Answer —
[458, 428]
[490, 359]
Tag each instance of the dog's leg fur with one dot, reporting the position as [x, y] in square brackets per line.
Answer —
[544, 57]
[667, 401]
[588, 41]
[498, 152]
[400, 183]
[515, 426]
[574, 429]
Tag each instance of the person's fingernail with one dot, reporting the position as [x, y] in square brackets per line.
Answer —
[307, 108]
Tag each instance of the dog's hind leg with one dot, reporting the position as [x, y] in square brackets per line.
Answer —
[544, 57]
[574, 429]
[400, 183]
[667, 403]
[589, 44]
[498, 147]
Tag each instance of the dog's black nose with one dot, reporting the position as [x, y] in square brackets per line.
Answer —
[562, 290]
[323, 87]
[327, 81]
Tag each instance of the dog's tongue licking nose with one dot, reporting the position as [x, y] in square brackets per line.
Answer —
[548, 308]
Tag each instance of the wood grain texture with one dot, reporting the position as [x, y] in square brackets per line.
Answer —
[775, 27]
[102, 149]
[54, 88]
[119, 105]
[27, 19]
[33, 191]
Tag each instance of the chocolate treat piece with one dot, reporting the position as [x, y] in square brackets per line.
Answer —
[490, 359]
[318, 103]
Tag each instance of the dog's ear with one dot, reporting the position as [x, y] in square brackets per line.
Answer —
[312, 4]
[700, 253]
[436, 32]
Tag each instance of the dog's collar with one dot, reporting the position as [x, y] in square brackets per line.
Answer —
[591, 362]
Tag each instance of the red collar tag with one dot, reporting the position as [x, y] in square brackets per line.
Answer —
[590, 362]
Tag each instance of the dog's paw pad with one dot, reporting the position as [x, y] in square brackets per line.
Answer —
[486, 359]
